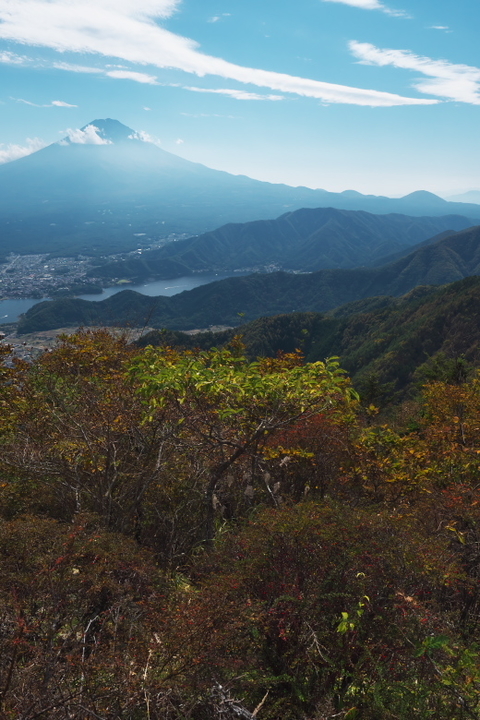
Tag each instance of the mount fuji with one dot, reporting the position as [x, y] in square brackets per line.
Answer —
[106, 189]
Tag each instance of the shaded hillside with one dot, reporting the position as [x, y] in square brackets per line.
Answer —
[122, 193]
[306, 240]
[381, 341]
[387, 259]
[227, 302]
[237, 300]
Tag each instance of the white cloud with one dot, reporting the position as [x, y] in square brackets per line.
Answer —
[76, 68]
[179, 141]
[145, 137]
[237, 94]
[12, 58]
[26, 102]
[14, 152]
[119, 74]
[147, 108]
[448, 80]
[126, 30]
[54, 103]
[371, 5]
[88, 136]
[216, 18]
[130, 75]
[60, 103]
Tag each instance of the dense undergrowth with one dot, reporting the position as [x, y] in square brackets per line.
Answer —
[192, 535]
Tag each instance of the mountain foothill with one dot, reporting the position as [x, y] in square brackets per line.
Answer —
[304, 240]
[388, 345]
[236, 300]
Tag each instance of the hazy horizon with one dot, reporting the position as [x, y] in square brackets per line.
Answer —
[378, 97]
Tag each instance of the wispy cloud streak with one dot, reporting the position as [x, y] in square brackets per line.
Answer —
[131, 75]
[10, 58]
[237, 94]
[70, 67]
[126, 29]
[447, 80]
[54, 103]
[372, 5]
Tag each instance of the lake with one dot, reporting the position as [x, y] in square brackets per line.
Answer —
[10, 310]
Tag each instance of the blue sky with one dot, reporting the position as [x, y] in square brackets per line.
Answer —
[381, 97]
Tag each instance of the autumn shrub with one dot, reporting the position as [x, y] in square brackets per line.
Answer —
[165, 446]
[73, 440]
[78, 608]
[306, 459]
[196, 536]
[452, 431]
[317, 603]
[225, 412]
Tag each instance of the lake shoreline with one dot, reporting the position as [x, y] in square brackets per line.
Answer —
[12, 309]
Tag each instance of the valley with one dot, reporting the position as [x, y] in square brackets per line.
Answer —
[330, 251]
[235, 300]
[122, 193]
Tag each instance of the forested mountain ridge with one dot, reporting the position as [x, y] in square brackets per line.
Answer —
[380, 341]
[240, 299]
[303, 240]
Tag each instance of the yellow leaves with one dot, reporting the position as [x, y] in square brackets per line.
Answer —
[386, 459]
[460, 535]
[80, 453]
[225, 384]
[273, 453]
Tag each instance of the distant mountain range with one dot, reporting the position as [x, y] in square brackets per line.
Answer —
[472, 196]
[120, 193]
[305, 240]
[241, 299]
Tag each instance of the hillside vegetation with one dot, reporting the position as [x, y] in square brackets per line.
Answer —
[304, 240]
[241, 299]
[192, 535]
[388, 345]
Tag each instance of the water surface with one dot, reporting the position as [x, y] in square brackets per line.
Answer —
[10, 310]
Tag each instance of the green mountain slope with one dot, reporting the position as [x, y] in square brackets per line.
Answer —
[304, 240]
[236, 300]
[381, 341]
